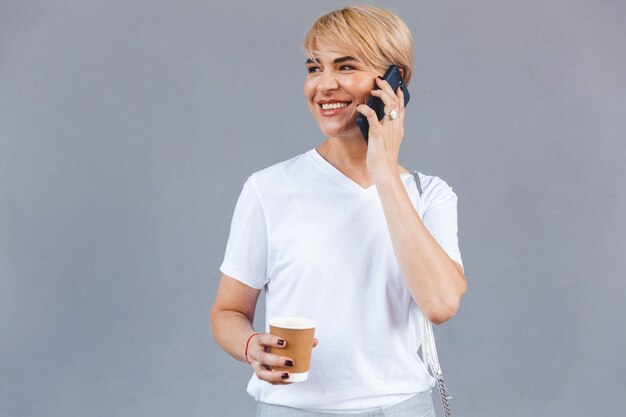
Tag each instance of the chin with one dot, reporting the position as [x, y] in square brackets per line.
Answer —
[331, 131]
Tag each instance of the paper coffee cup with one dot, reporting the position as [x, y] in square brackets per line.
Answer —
[298, 334]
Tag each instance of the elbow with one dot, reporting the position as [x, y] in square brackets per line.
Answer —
[441, 313]
[442, 310]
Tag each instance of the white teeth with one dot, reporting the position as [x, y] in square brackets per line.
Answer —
[330, 106]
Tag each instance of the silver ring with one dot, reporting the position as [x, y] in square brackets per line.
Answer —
[393, 114]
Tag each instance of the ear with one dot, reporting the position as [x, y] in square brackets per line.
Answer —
[401, 72]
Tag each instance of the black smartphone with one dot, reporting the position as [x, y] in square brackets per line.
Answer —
[393, 77]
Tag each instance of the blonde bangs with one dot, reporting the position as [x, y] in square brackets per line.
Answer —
[374, 35]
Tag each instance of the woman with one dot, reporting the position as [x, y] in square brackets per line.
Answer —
[333, 235]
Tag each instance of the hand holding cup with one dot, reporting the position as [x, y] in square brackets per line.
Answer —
[267, 361]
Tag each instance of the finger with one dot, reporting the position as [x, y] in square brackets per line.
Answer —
[390, 101]
[401, 97]
[315, 342]
[262, 343]
[273, 377]
[273, 360]
[385, 86]
[370, 114]
[268, 339]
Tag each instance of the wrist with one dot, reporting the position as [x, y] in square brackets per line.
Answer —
[245, 353]
[386, 178]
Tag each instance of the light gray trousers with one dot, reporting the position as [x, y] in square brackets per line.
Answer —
[420, 405]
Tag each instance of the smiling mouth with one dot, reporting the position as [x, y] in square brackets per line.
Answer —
[333, 106]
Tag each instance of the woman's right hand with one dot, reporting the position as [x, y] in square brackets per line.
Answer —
[262, 361]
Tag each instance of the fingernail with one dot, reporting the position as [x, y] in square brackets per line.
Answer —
[280, 342]
[288, 363]
[285, 375]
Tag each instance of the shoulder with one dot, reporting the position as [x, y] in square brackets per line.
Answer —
[435, 189]
[280, 170]
[277, 179]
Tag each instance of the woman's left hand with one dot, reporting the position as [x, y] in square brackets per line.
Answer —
[385, 136]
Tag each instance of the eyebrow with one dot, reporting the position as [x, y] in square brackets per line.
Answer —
[336, 61]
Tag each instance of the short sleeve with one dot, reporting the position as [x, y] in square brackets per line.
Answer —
[246, 249]
[440, 218]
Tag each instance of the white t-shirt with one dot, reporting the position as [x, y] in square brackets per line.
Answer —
[319, 244]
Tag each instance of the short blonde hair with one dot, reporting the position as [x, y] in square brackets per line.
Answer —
[378, 36]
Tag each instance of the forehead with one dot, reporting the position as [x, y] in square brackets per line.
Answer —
[324, 49]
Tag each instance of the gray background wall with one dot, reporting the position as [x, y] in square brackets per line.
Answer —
[127, 129]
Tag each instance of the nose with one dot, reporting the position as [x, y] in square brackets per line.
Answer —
[328, 81]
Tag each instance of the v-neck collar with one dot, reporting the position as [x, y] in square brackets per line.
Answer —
[339, 176]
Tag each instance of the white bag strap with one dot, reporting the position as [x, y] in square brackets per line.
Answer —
[429, 349]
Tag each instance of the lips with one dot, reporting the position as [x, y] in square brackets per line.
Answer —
[332, 107]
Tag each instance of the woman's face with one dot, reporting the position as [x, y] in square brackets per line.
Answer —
[336, 83]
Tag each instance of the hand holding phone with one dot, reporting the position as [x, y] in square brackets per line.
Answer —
[394, 78]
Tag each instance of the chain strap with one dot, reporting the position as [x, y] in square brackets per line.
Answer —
[429, 349]
[445, 396]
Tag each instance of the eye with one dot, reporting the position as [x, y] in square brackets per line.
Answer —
[346, 68]
[311, 70]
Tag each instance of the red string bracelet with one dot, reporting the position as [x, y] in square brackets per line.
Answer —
[247, 343]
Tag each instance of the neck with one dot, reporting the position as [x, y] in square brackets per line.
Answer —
[347, 151]
[348, 154]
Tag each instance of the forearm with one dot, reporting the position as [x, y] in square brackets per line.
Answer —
[231, 331]
[432, 278]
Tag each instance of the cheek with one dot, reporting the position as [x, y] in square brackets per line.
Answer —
[361, 88]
